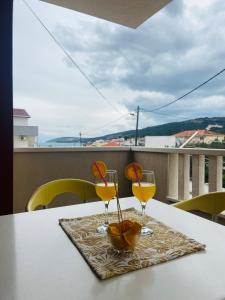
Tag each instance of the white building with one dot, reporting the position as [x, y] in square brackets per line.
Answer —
[160, 141]
[24, 135]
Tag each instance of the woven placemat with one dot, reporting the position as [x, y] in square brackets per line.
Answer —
[164, 245]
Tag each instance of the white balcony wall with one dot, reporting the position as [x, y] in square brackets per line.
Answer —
[20, 121]
[26, 130]
[24, 141]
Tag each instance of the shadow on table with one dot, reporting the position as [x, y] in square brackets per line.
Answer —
[128, 286]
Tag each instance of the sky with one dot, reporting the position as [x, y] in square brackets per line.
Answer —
[178, 48]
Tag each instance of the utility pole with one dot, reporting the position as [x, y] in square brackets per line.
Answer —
[137, 120]
[80, 139]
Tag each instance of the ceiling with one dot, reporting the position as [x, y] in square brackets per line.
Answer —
[130, 13]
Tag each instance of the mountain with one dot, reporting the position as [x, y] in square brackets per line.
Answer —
[164, 129]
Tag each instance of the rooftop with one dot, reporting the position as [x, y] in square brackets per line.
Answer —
[20, 112]
[112, 144]
[201, 132]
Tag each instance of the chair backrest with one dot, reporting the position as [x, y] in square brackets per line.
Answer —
[211, 203]
[44, 195]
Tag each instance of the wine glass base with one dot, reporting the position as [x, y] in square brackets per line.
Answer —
[146, 231]
[102, 229]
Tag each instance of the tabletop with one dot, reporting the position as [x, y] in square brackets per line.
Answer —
[39, 262]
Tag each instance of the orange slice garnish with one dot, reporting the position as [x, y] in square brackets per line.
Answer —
[99, 169]
[130, 235]
[129, 238]
[125, 225]
[136, 228]
[113, 228]
[134, 171]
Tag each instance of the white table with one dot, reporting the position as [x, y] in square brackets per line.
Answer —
[39, 262]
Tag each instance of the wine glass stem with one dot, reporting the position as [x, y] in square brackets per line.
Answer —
[143, 206]
[106, 212]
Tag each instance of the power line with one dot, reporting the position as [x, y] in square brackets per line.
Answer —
[70, 57]
[157, 113]
[186, 94]
[169, 115]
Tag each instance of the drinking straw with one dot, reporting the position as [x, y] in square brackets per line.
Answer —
[119, 211]
[100, 173]
[136, 174]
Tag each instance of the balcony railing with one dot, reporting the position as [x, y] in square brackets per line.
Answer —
[201, 160]
[174, 169]
[25, 130]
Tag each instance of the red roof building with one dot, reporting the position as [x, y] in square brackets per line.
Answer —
[111, 144]
[201, 133]
[198, 136]
[20, 113]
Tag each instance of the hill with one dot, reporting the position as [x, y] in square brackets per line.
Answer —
[164, 129]
[172, 128]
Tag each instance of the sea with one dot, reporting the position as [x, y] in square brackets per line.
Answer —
[58, 145]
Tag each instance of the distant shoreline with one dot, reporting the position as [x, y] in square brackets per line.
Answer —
[58, 145]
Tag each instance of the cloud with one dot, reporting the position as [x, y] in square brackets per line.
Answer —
[169, 53]
[176, 8]
[175, 50]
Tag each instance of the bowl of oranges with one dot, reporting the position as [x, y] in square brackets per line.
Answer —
[123, 236]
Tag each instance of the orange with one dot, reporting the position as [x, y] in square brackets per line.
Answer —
[114, 229]
[134, 170]
[123, 235]
[130, 235]
[129, 238]
[99, 169]
[125, 225]
[136, 228]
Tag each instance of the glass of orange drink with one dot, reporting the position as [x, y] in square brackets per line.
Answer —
[144, 189]
[106, 190]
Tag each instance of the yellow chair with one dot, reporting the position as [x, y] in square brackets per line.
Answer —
[44, 195]
[211, 203]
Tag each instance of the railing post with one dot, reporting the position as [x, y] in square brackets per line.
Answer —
[183, 176]
[172, 176]
[215, 173]
[198, 174]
